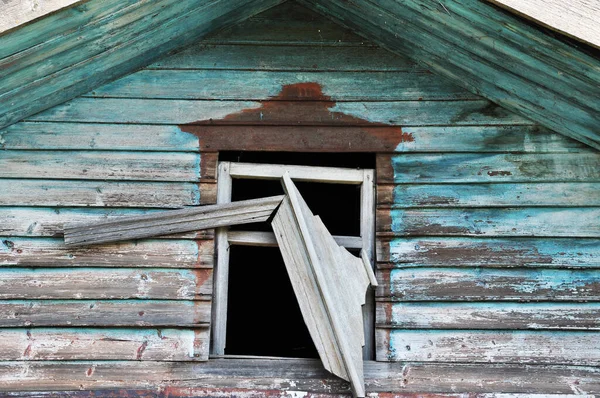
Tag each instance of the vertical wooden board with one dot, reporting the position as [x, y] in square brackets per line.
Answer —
[26, 192]
[101, 283]
[478, 346]
[104, 165]
[533, 222]
[463, 168]
[481, 284]
[22, 313]
[491, 252]
[489, 315]
[208, 165]
[45, 344]
[50, 252]
[96, 136]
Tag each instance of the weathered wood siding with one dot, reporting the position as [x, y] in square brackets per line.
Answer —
[488, 225]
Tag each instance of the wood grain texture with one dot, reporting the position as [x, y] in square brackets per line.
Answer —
[101, 165]
[180, 24]
[489, 195]
[575, 348]
[501, 222]
[490, 252]
[18, 12]
[156, 111]
[45, 344]
[424, 315]
[96, 136]
[480, 168]
[51, 252]
[171, 222]
[307, 376]
[446, 36]
[100, 283]
[72, 193]
[30, 313]
[476, 284]
[577, 19]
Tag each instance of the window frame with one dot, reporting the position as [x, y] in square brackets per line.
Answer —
[227, 172]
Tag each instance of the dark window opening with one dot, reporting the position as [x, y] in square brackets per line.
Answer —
[263, 316]
[347, 160]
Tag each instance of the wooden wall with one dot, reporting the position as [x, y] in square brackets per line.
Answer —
[488, 234]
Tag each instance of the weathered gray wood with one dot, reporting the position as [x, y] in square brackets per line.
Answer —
[332, 175]
[18, 12]
[568, 194]
[42, 344]
[492, 252]
[171, 222]
[305, 375]
[148, 166]
[490, 315]
[331, 310]
[577, 19]
[502, 222]
[574, 348]
[249, 238]
[49, 252]
[24, 192]
[101, 283]
[475, 284]
[21, 313]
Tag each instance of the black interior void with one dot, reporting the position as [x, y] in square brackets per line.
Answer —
[263, 316]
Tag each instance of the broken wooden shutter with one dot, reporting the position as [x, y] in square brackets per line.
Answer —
[330, 284]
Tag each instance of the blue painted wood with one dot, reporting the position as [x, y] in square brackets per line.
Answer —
[27, 192]
[532, 222]
[488, 284]
[260, 85]
[484, 168]
[490, 195]
[183, 28]
[156, 111]
[504, 70]
[489, 315]
[489, 252]
[104, 165]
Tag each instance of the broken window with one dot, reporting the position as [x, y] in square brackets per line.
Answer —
[330, 283]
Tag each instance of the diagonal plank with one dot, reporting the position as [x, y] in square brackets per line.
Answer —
[172, 222]
[331, 310]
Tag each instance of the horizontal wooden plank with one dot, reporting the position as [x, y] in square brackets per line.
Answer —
[533, 222]
[576, 316]
[284, 57]
[102, 283]
[163, 253]
[26, 313]
[332, 175]
[455, 168]
[96, 136]
[565, 194]
[25, 192]
[475, 284]
[171, 222]
[104, 165]
[262, 85]
[306, 376]
[298, 30]
[155, 111]
[267, 239]
[478, 346]
[492, 252]
[43, 344]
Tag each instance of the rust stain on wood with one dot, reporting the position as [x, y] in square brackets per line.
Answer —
[285, 110]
